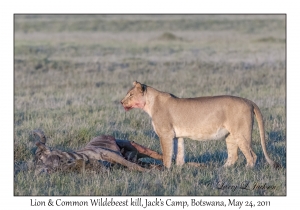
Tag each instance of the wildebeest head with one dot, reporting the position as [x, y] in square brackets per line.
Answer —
[48, 161]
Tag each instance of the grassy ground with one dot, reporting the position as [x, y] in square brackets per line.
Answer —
[72, 71]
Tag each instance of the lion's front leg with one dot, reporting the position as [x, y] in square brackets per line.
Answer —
[179, 151]
[166, 143]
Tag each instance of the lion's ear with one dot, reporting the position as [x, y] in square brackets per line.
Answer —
[139, 86]
[144, 87]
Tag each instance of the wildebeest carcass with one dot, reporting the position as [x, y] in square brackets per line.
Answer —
[101, 151]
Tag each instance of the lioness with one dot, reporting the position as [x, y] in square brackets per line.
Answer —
[202, 118]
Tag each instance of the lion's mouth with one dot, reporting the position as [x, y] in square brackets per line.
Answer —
[127, 108]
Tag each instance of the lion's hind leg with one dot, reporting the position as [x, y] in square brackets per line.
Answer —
[244, 144]
[232, 149]
[249, 154]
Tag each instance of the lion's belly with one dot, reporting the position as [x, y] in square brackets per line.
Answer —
[201, 134]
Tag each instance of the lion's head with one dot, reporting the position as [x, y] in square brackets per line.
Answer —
[135, 97]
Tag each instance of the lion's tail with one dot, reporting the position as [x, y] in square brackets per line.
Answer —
[261, 127]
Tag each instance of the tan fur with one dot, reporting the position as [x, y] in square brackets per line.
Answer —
[203, 118]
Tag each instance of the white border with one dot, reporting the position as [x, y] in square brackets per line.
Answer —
[30, 6]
